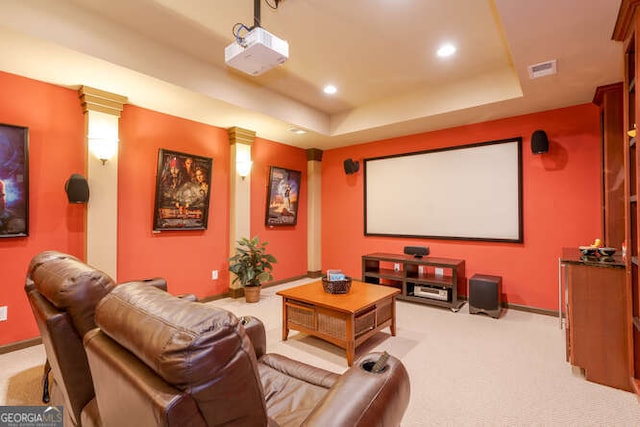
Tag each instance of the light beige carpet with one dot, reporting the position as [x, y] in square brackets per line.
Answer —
[465, 370]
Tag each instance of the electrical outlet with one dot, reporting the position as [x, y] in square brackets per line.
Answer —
[214, 274]
[396, 267]
[439, 271]
[3, 313]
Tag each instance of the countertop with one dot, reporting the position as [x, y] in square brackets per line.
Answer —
[574, 256]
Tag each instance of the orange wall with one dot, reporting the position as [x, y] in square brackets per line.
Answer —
[287, 243]
[561, 200]
[184, 258]
[56, 150]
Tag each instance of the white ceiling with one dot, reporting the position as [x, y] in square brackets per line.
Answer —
[168, 55]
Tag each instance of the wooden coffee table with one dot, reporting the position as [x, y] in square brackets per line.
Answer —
[346, 320]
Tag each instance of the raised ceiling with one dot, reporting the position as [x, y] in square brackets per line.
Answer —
[168, 55]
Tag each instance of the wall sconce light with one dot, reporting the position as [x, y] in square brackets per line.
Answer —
[103, 148]
[243, 167]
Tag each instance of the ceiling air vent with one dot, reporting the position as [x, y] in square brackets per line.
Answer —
[542, 69]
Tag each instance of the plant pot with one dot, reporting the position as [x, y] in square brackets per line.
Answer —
[252, 293]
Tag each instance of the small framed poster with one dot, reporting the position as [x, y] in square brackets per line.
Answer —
[14, 181]
[182, 191]
[282, 197]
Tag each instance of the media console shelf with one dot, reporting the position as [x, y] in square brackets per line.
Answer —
[426, 280]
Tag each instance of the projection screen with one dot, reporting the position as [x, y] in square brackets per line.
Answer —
[470, 192]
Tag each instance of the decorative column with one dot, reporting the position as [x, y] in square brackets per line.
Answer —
[314, 230]
[102, 112]
[240, 141]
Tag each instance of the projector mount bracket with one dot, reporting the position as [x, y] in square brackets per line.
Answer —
[273, 4]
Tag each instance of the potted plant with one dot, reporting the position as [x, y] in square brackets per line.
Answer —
[251, 266]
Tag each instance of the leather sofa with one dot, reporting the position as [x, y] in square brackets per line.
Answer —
[63, 292]
[159, 360]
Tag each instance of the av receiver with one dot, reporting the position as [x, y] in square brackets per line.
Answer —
[429, 292]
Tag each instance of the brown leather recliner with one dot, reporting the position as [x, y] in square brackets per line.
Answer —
[63, 292]
[158, 360]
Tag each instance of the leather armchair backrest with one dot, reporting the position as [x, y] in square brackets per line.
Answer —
[65, 353]
[195, 348]
[129, 393]
[72, 286]
[63, 292]
[40, 259]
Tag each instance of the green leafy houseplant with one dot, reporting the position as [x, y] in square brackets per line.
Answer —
[251, 264]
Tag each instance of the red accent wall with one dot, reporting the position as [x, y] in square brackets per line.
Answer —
[184, 258]
[561, 200]
[287, 243]
[56, 150]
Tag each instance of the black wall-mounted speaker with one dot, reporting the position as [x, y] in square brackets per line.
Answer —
[416, 251]
[351, 167]
[77, 189]
[539, 142]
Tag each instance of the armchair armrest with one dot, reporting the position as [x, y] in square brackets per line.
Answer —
[363, 398]
[255, 330]
[161, 283]
[158, 282]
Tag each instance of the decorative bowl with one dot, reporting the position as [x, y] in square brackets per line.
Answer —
[336, 286]
[588, 250]
[607, 251]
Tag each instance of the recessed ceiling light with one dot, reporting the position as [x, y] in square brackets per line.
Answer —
[446, 50]
[330, 89]
[297, 131]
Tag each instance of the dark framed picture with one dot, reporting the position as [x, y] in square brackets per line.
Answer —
[14, 181]
[182, 191]
[282, 197]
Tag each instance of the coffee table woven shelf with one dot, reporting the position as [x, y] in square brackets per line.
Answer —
[345, 320]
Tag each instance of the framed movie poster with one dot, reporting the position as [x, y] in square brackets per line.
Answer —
[14, 181]
[182, 191]
[282, 197]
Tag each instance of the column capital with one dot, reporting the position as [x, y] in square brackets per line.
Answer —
[93, 99]
[314, 154]
[241, 136]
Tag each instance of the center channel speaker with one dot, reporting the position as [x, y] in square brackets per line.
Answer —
[416, 251]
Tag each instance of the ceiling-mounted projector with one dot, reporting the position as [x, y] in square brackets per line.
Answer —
[257, 52]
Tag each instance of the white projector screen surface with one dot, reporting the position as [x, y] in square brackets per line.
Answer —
[471, 192]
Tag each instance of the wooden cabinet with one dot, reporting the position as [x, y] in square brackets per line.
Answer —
[627, 31]
[427, 280]
[599, 335]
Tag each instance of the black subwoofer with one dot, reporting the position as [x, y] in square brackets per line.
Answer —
[485, 294]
